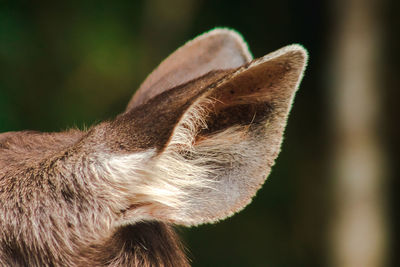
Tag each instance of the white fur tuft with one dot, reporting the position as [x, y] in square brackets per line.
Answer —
[173, 183]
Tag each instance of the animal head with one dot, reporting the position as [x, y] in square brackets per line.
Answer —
[193, 146]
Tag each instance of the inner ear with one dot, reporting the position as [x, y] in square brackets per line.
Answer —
[249, 96]
[221, 118]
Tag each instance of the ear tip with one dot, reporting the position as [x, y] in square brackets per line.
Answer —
[229, 32]
[296, 53]
[232, 34]
[297, 50]
[300, 49]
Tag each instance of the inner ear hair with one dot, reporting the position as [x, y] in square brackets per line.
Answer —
[224, 145]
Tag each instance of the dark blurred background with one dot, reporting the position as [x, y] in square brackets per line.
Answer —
[331, 199]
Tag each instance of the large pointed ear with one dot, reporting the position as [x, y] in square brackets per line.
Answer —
[218, 49]
[222, 148]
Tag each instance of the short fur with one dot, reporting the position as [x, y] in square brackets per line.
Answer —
[195, 153]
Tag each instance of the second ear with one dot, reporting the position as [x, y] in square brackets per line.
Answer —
[218, 49]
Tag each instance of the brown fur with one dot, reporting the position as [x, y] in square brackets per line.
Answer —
[63, 205]
[45, 183]
[56, 212]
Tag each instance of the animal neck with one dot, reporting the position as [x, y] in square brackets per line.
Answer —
[143, 244]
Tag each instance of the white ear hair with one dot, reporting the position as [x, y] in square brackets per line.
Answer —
[222, 149]
[230, 165]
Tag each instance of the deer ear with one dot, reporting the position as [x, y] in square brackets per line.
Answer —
[223, 147]
[218, 49]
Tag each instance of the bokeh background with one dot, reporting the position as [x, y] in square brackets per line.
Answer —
[332, 198]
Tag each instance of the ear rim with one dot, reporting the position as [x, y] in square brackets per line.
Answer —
[222, 32]
[284, 51]
[219, 31]
[232, 33]
[293, 48]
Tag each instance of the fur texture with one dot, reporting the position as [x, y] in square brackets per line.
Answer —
[195, 153]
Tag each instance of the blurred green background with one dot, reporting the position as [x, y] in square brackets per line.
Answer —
[75, 63]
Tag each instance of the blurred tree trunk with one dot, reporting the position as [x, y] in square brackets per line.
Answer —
[359, 226]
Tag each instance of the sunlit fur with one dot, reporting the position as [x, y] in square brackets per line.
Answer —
[107, 196]
[181, 184]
